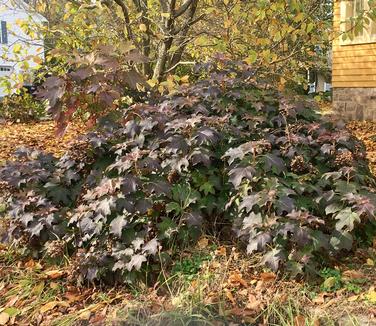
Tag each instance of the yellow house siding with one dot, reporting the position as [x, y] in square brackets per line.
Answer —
[353, 65]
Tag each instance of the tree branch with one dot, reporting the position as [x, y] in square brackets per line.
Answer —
[164, 5]
[178, 64]
[125, 10]
[183, 8]
[188, 24]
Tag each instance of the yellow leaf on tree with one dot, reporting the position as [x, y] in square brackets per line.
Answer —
[17, 48]
[227, 23]
[19, 22]
[252, 57]
[37, 60]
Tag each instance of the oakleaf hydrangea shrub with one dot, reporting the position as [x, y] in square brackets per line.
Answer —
[222, 152]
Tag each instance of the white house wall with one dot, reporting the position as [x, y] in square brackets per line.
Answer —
[12, 14]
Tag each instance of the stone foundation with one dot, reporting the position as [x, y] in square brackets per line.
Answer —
[355, 103]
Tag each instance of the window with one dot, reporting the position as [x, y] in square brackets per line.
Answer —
[361, 30]
[5, 68]
[4, 32]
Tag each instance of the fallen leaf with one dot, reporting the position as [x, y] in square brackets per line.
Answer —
[54, 285]
[73, 297]
[202, 243]
[330, 302]
[259, 286]
[194, 284]
[320, 298]
[54, 274]
[12, 311]
[221, 251]
[230, 296]
[253, 303]
[211, 298]
[4, 318]
[370, 262]
[12, 301]
[267, 277]
[353, 275]
[353, 298]
[40, 135]
[241, 312]
[30, 263]
[235, 279]
[299, 321]
[48, 306]
[85, 314]
[371, 296]
[282, 298]
[38, 289]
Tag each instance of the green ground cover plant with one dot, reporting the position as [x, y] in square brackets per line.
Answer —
[22, 107]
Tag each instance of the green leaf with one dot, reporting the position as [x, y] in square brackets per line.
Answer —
[252, 57]
[207, 188]
[341, 240]
[333, 208]
[12, 311]
[346, 219]
[173, 206]
[330, 283]
[117, 225]
[274, 258]
[310, 27]
[166, 228]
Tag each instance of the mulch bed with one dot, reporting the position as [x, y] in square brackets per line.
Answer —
[37, 135]
[366, 132]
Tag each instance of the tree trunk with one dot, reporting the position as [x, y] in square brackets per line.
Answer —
[176, 58]
[162, 58]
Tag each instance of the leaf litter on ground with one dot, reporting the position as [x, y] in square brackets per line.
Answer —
[36, 135]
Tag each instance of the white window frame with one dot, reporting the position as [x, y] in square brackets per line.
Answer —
[6, 69]
[366, 36]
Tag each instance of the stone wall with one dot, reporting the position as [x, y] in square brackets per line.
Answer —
[354, 103]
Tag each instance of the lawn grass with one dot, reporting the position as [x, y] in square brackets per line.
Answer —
[227, 288]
